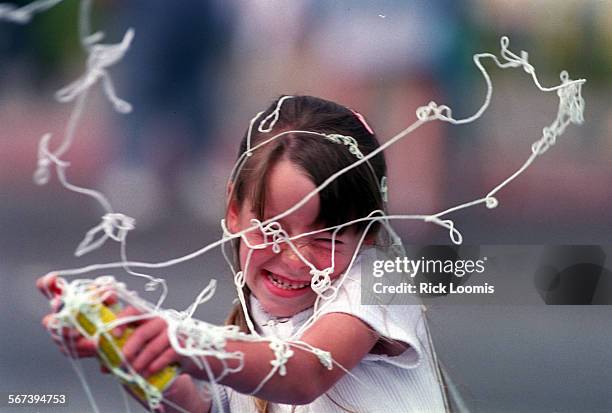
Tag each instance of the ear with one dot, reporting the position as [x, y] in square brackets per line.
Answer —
[232, 216]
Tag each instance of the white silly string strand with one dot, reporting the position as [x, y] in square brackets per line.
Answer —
[571, 109]
[278, 235]
[24, 14]
[115, 226]
[81, 296]
[79, 371]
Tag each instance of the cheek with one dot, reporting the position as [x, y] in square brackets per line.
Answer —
[257, 259]
[321, 258]
[243, 254]
[342, 259]
[254, 238]
[341, 266]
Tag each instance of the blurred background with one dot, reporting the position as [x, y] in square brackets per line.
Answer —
[198, 71]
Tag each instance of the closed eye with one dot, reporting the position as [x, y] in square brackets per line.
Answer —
[328, 240]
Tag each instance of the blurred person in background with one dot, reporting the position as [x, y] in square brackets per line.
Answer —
[388, 57]
[171, 76]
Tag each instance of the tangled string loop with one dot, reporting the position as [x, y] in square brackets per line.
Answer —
[198, 338]
[433, 111]
[282, 354]
[272, 118]
[449, 224]
[239, 279]
[571, 102]
[25, 13]
[45, 160]
[273, 234]
[491, 202]
[571, 110]
[349, 141]
[321, 281]
[384, 189]
[117, 225]
[325, 358]
[101, 56]
[513, 59]
[114, 226]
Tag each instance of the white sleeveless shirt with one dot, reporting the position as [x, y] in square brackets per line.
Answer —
[405, 383]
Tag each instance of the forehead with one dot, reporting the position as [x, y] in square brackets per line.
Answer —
[287, 185]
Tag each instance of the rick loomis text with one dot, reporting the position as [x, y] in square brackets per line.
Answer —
[430, 276]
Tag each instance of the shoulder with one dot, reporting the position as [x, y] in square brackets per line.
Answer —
[401, 328]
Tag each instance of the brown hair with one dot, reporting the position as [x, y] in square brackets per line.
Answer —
[352, 195]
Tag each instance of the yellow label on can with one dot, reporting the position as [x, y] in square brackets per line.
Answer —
[109, 346]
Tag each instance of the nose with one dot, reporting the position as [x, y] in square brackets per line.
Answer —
[291, 259]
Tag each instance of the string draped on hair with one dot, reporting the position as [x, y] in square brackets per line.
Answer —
[197, 339]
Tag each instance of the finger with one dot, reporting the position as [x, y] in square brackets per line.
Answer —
[141, 336]
[47, 321]
[154, 348]
[56, 304]
[48, 285]
[79, 348]
[111, 299]
[70, 333]
[126, 312]
[67, 333]
[168, 357]
[84, 347]
[109, 295]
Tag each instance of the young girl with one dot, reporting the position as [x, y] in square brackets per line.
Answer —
[387, 363]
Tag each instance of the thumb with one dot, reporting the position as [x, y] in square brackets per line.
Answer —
[48, 285]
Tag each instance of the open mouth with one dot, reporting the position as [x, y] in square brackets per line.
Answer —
[284, 283]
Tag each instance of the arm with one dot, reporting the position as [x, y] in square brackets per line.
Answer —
[347, 338]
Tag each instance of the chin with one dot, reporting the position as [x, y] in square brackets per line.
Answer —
[282, 310]
[278, 310]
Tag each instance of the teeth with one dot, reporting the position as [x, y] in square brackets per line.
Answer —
[286, 286]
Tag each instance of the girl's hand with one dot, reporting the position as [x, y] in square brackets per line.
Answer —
[147, 349]
[70, 342]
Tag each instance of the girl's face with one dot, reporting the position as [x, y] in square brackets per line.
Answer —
[281, 281]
